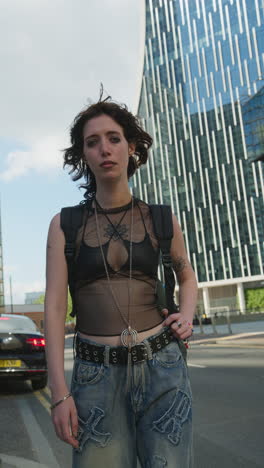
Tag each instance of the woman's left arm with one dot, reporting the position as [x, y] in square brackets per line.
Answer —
[181, 323]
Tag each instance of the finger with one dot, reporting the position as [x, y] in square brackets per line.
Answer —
[180, 327]
[165, 312]
[172, 318]
[63, 428]
[67, 436]
[74, 423]
[182, 333]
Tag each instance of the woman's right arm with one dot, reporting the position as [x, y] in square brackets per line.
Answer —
[64, 416]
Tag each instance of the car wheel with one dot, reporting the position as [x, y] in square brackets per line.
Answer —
[39, 383]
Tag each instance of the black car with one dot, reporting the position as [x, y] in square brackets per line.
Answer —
[22, 350]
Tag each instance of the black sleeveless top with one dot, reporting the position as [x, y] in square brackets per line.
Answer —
[96, 310]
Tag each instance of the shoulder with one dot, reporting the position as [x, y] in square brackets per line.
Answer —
[55, 221]
[68, 215]
[176, 224]
[55, 231]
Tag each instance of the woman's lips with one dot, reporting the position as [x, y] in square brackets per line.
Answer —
[107, 164]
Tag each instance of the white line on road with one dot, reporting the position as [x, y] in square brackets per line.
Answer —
[38, 440]
[195, 365]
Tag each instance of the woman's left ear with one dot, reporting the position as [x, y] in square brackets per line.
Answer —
[131, 149]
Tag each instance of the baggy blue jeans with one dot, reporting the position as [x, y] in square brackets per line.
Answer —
[149, 419]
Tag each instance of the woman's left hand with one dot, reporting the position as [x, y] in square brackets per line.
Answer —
[180, 327]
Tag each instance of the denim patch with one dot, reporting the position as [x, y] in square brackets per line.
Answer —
[171, 422]
[157, 462]
[87, 429]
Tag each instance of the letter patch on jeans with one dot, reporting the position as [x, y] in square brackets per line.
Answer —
[87, 429]
[171, 422]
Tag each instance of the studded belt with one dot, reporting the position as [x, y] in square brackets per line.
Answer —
[119, 354]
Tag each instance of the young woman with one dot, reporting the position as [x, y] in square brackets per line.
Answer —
[130, 394]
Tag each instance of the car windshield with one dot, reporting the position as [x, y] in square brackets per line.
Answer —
[19, 324]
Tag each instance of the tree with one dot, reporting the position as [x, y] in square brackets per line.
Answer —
[254, 298]
[41, 300]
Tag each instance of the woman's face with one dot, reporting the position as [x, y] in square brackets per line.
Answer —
[105, 149]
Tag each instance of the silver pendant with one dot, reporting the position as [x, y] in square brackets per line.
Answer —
[129, 337]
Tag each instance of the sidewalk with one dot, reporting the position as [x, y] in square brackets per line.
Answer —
[253, 339]
[8, 461]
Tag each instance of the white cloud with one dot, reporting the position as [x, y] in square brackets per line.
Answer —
[55, 53]
[44, 156]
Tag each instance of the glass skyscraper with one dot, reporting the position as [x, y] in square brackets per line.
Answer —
[202, 101]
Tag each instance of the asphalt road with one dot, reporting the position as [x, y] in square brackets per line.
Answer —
[228, 393]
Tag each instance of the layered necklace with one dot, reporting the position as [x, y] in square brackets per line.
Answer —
[129, 335]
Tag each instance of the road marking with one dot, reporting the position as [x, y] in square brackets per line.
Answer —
[43, 401]
[47, 391]
[39, 442]
[195, 365]
[234, 345]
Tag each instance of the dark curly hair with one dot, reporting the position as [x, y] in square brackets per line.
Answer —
[73, 156]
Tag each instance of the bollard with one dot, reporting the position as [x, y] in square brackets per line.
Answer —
[213, 325]
[229, 323]
[201, 324]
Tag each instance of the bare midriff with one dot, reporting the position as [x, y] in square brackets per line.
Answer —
[116, 340]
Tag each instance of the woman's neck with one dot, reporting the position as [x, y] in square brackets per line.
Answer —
[110, 197]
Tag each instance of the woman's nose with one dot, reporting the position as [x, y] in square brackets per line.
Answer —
[105, 147]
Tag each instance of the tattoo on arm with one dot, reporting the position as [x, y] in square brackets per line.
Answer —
[179, 264]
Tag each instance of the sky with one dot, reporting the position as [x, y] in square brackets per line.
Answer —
[53, 54]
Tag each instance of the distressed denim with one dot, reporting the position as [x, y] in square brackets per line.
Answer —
[139, 412]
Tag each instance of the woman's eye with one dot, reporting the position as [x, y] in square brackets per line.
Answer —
[115, 139]
[90, 143]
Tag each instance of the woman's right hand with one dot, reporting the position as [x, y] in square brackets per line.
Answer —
[65, 420]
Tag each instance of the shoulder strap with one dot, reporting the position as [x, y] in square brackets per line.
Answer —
[71, 221]
[163, 228]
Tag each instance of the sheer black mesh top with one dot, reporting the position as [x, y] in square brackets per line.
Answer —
[96, 310]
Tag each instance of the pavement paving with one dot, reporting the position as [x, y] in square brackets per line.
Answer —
[252, 339]
[8, 461]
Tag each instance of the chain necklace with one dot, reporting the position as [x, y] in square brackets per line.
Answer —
[129, 335]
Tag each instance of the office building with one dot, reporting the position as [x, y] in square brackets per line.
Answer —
[202, 101]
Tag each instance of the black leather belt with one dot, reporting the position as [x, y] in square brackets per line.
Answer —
[119, 354]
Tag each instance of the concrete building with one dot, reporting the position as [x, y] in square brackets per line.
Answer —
[32, 297]
[202, 101]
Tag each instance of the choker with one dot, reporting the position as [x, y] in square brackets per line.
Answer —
[118, 209]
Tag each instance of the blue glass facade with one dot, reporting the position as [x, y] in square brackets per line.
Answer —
[202, 101]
